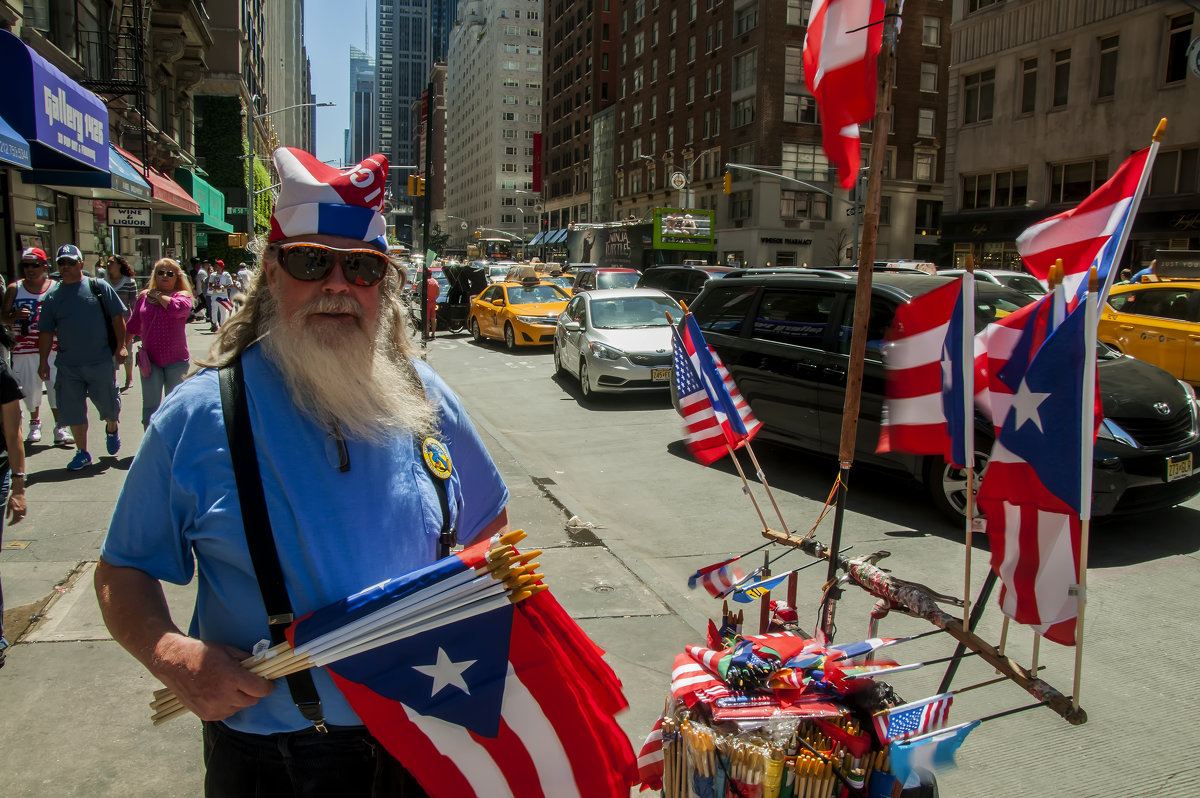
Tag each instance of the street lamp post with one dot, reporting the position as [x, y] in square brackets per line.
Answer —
[684, 181]
[522, 212]
[252, 135]
[541, 212]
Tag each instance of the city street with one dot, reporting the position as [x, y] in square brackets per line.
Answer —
[75, 705]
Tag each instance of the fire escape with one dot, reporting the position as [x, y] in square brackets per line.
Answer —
[122, 56]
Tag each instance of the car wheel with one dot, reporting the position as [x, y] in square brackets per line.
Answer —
[585, 382]
[947, 484]
[559, 371]
[476, 336]
[510, 337]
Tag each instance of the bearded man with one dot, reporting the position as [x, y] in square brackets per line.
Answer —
[339, 411]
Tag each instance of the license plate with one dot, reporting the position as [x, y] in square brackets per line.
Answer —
[662, 375]
[1179, 466]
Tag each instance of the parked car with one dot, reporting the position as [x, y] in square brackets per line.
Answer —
[786, 341]
[795, 271]
[590, 278]
[1158, 323]
[520, 314]
[682, 283]
[617, 340]
[1025, 283]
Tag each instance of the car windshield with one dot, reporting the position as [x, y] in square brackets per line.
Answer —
[529, 295]
[616, 279]
[497, 271]
[634, 311]
[1023, 282]
[993, 302]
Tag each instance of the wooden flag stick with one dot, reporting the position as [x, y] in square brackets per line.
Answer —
[968, 381]
[746, 486]
[762, 477]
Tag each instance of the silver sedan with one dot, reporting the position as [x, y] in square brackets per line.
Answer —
[617, 340]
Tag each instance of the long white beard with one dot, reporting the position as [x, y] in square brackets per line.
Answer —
[339, 376]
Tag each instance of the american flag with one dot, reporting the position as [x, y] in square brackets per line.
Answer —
[918, 717]
[650, 759]
[692, 683]
[714, 413]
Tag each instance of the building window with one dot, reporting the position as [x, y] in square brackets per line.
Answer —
[931, 31]
[743, 112]
[803, 162]
[800, 109]
[745, 70]
[654, 35]
[745, 20]
[978, 93]
[653, 107]
[1175, 172]
[637, 114]
[1106, 85]
[508, 116]
[1062, 78]
[1072, 182]
[673, 24]
[508, 167]
[976, 5]
[691, 89]
[798, 11]
[1004, 189]
[929, 76]
[926, 118]
[924, 166]
[1179, 36]
[793, 65]
[1029, 85]
[670, 99]
[637, 79]
[803, 205]
[639, 44]
[741, 204]
[691, 49]
[671, 61]
[690, 131]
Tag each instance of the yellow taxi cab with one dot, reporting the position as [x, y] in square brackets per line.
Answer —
[520, 313]
[1158, 322]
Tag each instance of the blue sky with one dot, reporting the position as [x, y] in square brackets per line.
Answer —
[330, 28]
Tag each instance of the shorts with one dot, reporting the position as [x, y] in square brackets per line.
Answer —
[95, 381]
[25, 367]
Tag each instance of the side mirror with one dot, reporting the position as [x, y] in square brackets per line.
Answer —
[572, 326]
[498, 302]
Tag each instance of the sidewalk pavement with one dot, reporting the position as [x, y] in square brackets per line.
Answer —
[75, 705]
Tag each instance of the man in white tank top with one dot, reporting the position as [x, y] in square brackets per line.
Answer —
[22, 302]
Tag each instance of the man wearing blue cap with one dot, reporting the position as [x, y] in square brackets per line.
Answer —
[318, 376]
[88, 318]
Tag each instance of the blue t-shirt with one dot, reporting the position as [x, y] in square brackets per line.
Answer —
[336, 532]
[72, 311]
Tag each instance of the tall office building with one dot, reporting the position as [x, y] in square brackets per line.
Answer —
[412, 35]
[360, 138]
[493, 112]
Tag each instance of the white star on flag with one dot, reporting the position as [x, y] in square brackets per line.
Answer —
[445, 672]
[1025, 406]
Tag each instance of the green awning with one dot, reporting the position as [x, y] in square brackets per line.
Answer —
[210, 200]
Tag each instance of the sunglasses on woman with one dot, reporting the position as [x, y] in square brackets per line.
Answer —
[311, 262]
[164, 273]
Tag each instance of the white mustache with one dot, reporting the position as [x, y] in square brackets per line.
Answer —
[332, 304]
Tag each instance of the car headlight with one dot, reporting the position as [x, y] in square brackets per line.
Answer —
[536, 319]
[1190, 391]
[605, 352]
[1110, 430]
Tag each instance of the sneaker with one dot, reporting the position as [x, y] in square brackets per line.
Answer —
[35, 432]
[112, 442]
[63, 436]
[81, 460]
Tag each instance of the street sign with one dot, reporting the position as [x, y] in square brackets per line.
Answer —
[232, 210]
[678, 180]
[129, 217]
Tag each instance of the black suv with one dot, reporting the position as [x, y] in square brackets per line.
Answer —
[681, 283]
[786, 341]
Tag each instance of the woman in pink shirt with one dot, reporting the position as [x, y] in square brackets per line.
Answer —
[160, 317]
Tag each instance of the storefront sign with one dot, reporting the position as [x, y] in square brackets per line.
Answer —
[129, 217]
[802, 242]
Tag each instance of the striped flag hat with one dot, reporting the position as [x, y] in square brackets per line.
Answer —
[315, 197]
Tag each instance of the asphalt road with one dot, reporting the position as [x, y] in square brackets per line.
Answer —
[620, 464]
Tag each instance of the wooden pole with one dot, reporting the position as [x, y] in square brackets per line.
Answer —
[866, 261]
[1087, 429]
[968, 379]
[746, 486]
[762, 477]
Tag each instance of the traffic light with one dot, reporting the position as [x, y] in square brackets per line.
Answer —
[238, 240]
[412, 185]
[420, 187]
[728, 183]
[478, 235]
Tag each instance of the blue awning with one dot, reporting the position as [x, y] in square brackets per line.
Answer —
[536, 239]
[556, 236]
[65, 124]
[13, 148]
[123, 182]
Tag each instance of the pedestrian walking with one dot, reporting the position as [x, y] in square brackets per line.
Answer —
[244, 275]
[432, 290]
[88, 318]
[200, 284]
[338, 408]
[219, 285]
[120, 277]
[12, 462]
[160, 316]
[22, 304]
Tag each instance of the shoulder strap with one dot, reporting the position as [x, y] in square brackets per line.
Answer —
[257, 525]
[448, 537]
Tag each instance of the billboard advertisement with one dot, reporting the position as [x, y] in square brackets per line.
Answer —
[686, 229]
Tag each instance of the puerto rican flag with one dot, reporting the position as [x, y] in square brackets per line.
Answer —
[1092, 233]
[924, 410]
[841, 54]
[650, 759]
[496, 700]
[718, 578]
[1032, 490]
[715, 416]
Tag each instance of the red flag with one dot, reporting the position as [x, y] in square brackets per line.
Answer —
[841, 51]
[650, 759]
[857, 744]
